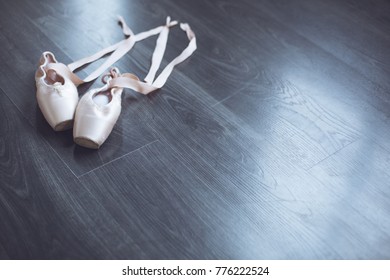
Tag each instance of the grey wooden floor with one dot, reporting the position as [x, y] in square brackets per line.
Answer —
[271, 142]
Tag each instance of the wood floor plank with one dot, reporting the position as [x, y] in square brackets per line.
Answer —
[39, 218]
[297, 125]
[170, 197]
[179, 208]
[359, 175]
[356, 33]
[327, 85]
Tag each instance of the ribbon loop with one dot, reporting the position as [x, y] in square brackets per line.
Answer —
[118, 50]
[150, 84]
[125, 28]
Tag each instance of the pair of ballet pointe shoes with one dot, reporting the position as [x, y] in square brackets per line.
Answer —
[94, 116]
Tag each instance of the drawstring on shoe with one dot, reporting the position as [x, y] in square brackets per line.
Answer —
[113, 73]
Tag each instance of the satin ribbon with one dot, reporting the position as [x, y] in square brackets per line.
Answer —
[119, 49]
[130, 81]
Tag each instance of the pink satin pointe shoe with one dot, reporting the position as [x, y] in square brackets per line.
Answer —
[56, 95]
[97, 113]
[94, 121]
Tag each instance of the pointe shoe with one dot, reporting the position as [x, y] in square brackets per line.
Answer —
[56, 95]
[93, 121]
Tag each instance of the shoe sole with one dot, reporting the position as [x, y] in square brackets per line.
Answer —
[86, 143]
[65, 125]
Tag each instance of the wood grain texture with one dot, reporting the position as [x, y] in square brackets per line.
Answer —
[271, 142]
[40, 212]
[360, 180]
[344, 30]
